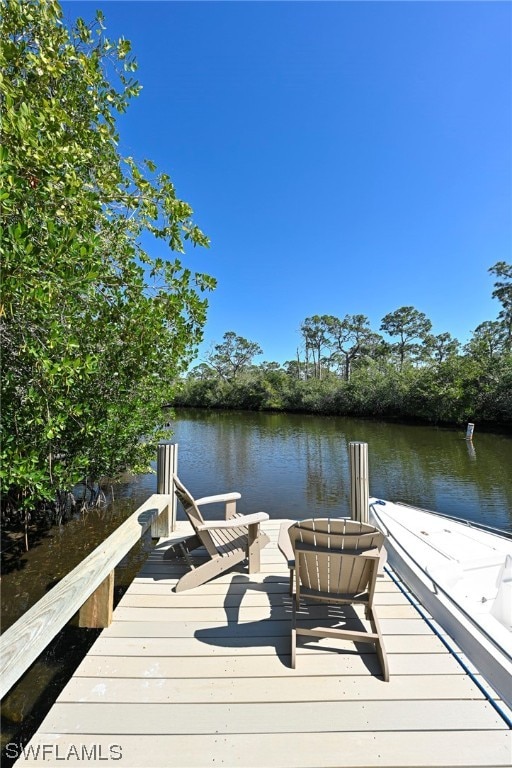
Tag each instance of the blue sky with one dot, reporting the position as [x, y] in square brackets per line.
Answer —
[343, 157]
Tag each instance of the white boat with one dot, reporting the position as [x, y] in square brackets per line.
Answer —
[462, 574]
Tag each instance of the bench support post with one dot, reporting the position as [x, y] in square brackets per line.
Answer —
[96, 612]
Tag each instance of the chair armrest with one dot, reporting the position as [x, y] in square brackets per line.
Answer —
[235, 522]
[284, 543]
[221, 497]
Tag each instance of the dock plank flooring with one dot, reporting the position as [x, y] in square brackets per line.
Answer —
[203, 678]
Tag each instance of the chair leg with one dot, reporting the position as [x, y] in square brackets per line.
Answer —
[253, 549]
[293, 652]
[208, 570]
[182, 548]
[256, 540]
[382, 656]
[379, 645]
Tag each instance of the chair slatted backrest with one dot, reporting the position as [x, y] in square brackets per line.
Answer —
[195, 517]
[336, 558]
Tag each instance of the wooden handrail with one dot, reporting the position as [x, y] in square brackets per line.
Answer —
[83, 588]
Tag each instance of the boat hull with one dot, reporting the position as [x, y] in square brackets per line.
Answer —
[428, 552]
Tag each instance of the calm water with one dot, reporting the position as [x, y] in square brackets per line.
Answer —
[297, 465]
[287, 465]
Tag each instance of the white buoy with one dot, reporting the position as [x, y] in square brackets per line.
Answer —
[469, 431]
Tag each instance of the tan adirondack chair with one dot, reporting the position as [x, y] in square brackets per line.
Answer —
[227, 542]
[336, 562]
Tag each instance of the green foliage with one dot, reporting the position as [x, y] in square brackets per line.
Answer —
[503, 292]
[233, 356]
[351, 339]
[452, 391]
[95, 330]
[349, 369]
[408, 324]
[440, 347]
[487, 343]
[314, 332]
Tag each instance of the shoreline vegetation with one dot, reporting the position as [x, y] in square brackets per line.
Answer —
[344, 368]
[490, 427]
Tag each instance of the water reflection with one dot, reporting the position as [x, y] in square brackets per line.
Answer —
[471, 450]
[294, 465]
[28, 576]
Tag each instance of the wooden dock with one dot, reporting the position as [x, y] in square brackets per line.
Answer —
[202, 678]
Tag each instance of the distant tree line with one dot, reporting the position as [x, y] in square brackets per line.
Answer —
[343, 366]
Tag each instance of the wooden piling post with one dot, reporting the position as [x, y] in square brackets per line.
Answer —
[359, 484]
[469, 431]
[166, 466]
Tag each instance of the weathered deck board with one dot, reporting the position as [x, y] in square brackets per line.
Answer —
[218, 716]
[415, 749]
[268, 689]
[202, 678]
[319, 664]
[192, 646]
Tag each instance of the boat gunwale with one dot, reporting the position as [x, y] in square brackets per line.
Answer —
[437, 586]
[471, 523]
